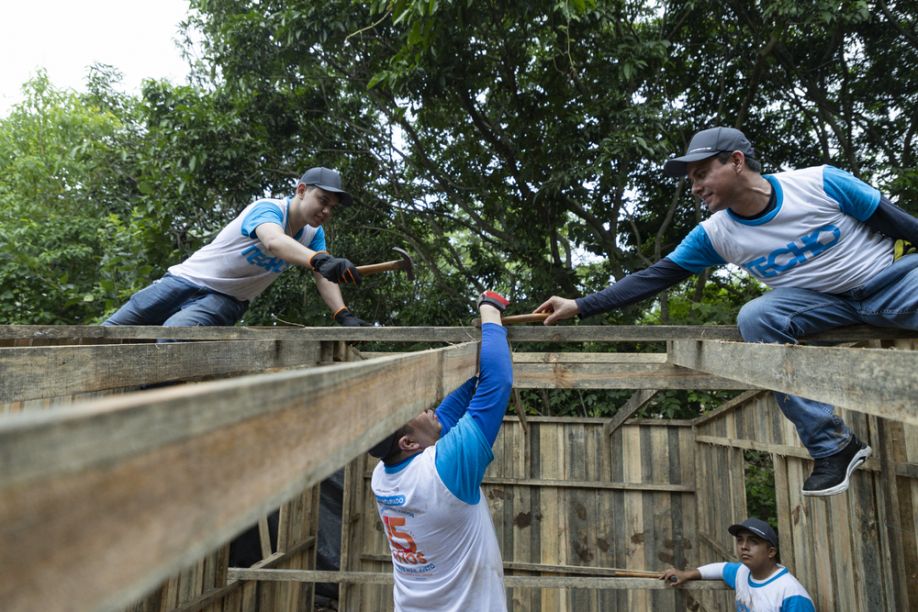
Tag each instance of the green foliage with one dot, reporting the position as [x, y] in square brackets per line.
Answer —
[760, 487]
[514, 145]
[65, 183]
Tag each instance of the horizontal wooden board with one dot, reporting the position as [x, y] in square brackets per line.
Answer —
[53, 371]
[544, 582]
[874, 381]
[531, 333]
[627, 375]
[108, 498]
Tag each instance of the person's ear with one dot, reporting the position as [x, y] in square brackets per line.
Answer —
[772, 552]
[739, 160]
[407, 444]
[300, 189]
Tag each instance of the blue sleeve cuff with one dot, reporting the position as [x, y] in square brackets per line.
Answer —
[463, 455]
[797, 603]
[262, 212]
[730, 570]
[855, 197]
[695, 252]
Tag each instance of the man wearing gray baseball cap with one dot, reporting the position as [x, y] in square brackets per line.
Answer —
[833, 249]
[215, 285]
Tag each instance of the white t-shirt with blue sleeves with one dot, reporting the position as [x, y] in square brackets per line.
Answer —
[814, 238]
[780, 592]
[235, 262]
[441, 536]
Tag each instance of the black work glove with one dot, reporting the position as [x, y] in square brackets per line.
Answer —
[348, 319]
[335, 269]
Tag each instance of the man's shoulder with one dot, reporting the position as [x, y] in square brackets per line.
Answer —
[812, 172]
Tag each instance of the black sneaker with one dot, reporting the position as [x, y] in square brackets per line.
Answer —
[830, 474]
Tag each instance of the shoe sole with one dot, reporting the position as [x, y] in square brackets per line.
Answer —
[859, 458]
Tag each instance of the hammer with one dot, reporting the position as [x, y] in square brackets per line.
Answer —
[405, 263]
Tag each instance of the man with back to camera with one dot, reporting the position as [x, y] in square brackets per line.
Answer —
[215, 285]
[833, 249]
[444, 548]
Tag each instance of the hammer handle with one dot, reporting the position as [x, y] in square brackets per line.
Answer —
[385, 266]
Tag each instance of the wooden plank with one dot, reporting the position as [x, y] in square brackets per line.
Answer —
[534, 333]
[875, 381]
[634, 403]
[633, 375]
[540, 582]
[140, 470]
[589, 484]
[51, 371]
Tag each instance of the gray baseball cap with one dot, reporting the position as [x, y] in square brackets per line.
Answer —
[329, 180]
[757, 527]
[708, 143]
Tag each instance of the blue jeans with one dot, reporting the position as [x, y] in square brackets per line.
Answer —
[785, 314]
[175, 302]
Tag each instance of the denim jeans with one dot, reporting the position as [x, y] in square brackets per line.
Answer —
[785, 314]
[175, 302]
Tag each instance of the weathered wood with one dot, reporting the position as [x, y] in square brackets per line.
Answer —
[875, 381]
[215, 595]
[540, 582]
[52, 371]
[634, 403]
[587, 484]
[633, 375]
[536, 333]
[108, 498]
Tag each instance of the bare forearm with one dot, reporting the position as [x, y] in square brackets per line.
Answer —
[329, 292]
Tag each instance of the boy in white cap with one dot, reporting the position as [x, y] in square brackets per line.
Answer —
[215, 285]
[833, 249]
[761, 583]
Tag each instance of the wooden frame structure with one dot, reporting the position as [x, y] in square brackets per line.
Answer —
[106, 491]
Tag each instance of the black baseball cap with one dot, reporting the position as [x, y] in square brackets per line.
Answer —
[757, 527]
[386, 446]
[708, 143]
[329, 180]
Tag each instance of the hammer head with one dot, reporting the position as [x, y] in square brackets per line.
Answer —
[407, 264]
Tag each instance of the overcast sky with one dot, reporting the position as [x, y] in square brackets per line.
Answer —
[67, 36]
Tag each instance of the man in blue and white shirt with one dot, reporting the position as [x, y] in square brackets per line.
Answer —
[761, 583]
[827, 243]
[215, 285]
[445, 554]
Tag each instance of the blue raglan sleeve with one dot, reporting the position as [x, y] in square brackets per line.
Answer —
[318, 241]
[730, 570]
[797, 603]
[454, 405]
[262, 212]
[464, 453]
[855, 197]
[695, 252]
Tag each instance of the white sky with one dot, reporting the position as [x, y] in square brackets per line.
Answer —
[138, 37]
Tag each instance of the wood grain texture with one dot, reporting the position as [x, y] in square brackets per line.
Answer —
[175, 472]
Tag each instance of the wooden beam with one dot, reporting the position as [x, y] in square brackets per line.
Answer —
[876, 381]
[533, 333]
[53, 371]
[590, 484]
[104, 500]
[511, 582]
[782, 450]
[633, 375]
[634, 403]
